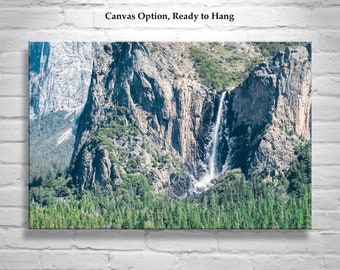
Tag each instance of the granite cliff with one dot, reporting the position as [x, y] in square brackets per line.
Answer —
[60, 75]
[270, 113]
[161, 111]
[148, 114]
[59, 79]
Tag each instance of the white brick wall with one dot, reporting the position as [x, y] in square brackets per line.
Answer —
[256, 20]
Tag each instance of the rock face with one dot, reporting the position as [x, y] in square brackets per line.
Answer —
[147, 115]
[59, 79]
[269, 113]
[162, 116]
[59, 76]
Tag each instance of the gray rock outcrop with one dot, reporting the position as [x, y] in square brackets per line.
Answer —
[269, 113]
[147, 114]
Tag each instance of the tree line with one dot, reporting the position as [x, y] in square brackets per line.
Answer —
[235, 202]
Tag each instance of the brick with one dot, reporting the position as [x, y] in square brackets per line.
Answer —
[291, 16]
[14, 62]
[70, 259]
[326, 177]
[216, 35]
[327, 200]
[80, 18]
[134, 3]
[327, 86]
[3, 235]
[279, 3]
[143, 260]
[329, 41]
[330, 243]
[215, 261]
[49, 3]
[79, 2]
[258, 19]
[185, 35]
[15, 3]
[325, 17]
[190, 241]
[13, 85]
[20, 198]
[13, 217]
[13, 174]
[40, 239]
[266, 241]
[325, 154]
[13, 130]
[257, 16]
[332, 262]
[322, 220]
[325, 108]
[271, 3]
[111, 240]
[13, 107]
[13, 153]
[31, 18]
[286, 262]
[146, 34]
[326, 132]
[284, 34]
[129, 34]
[17, 40]
[331, 3]
[326, 63]
[73, 35]
[11, 259]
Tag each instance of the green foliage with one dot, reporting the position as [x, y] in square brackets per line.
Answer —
[225, 66]
[210, 71]
[159, 161]
[251, 63]
[299, 173]
[222, 66]
[118, 126]
[47, 159]
[49, 190]
[270, 49]
[232, 203]
[153, 47]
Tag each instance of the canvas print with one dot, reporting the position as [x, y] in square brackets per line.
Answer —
[150, 135]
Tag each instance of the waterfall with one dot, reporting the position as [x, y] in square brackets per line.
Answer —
[212, 167]
[42, 59]
[215, 138]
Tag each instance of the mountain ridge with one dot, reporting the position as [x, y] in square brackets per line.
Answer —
[174, 114]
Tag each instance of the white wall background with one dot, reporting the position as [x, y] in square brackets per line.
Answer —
[256, 20]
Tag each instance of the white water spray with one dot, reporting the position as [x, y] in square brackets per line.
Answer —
[215, 139]
[42, 59]
[205, 180]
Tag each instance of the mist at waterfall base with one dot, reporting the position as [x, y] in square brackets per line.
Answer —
[212, 170]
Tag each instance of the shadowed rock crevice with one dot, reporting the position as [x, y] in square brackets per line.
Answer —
[146, 115]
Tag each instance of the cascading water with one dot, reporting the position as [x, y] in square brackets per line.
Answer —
[204, 181]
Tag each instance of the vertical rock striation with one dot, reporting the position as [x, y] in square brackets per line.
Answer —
[60, 75]
[163, 116]
[147, 114]
[59, 79]
[269, 113]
